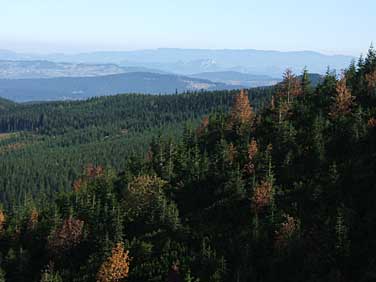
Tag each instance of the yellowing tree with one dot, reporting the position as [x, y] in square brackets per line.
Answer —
[343, 100]
[203, 126]
[241, 112]
[116, 267]
[141, 192]
[252, 151]
[262, 195]
[33, 219]
[291, 86]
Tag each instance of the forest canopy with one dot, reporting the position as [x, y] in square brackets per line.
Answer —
[277, 184]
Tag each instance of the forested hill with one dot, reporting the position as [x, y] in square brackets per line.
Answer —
[285, 193]
[5, 104]
[45, 146]
[78, 88]
[127, 111]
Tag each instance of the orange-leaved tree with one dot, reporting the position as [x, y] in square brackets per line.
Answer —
[2, 221]
[262, 195]
[288, 229]
[241, 112]
[252, 151]
[33, 219]
[116, 267]
[343, 99]
[67, 236]
[291, 86]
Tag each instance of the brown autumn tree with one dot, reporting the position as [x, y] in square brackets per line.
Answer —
[286, 231]
[288, 89]
[93, 171]
[67, 236]
[343, 99]
[241, 112]
[262, 195]
[252, 151]
[33, 219]
[203, 126]
[78, 184]
[372, 122]
[116, 267]
[290, 86]
[2, 221]
[371, 80]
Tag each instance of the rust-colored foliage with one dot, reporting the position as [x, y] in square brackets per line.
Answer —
[94, 171]
[372, 122]
[284, 105]
[262, 195]
[343, 100]
[286, 231]
[290, 86]
[252, 151]
[116, 267]
[67, 236]
[78, 184]
[33, 219]
[203, 126]
[2, 221]
[12, 147]
[241, 112]
[371, 80]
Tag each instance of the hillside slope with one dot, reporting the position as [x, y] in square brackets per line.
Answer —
[52, 142]
[74, 88]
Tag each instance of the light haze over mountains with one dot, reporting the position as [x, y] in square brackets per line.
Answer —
[31, 77]
[189, 61]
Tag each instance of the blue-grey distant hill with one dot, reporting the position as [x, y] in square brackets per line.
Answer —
[238, 78]
[188, 61]
[74, 88]
[12, 69]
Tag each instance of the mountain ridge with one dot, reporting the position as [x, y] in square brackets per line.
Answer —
[187, 61]
[76, 88]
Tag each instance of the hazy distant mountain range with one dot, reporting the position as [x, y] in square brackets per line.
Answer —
[189, 61]
[237, 78]
[28, 77]
[46, 69]
[74, 88]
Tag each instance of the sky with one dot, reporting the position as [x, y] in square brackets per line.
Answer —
[69, 26]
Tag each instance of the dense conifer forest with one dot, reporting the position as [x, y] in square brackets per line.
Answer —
[44, 147]
[276, 185]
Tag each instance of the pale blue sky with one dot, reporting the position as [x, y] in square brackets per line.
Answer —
[331, 26]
